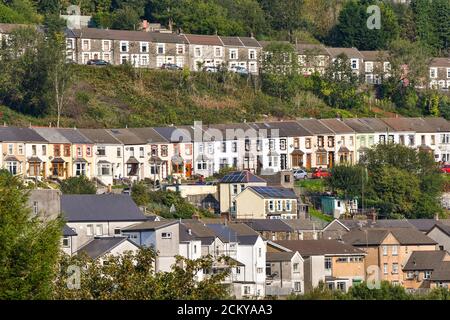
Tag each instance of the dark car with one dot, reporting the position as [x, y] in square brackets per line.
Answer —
[171, 66]
[97, 62]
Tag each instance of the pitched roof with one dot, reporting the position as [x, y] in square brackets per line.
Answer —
[382, 223]
[274, 192]
[405, 236]
[99, 136]
[337, 125]
[166, 37]
[424, 260]
[175, 134]
[443, 227]
[349, 52]
[273, 225]
[101, 207]
[306, 224]
[358, 126]
[282, 129]
[148, 134]
[109, 34]
[14, 134]
[232, 41]
[51, 135]
[74, 135]
[199, 231]
[279, 256]
[250, 42]
[440, 62]
[9, 27]
[98, 247]
[408, 124]
[314, 126]
[244, 176]
[223, 232]
[68, 232]
[375, 55]
[206, 40]
[308, 248]
[126, 137]
[150, 225]
[438, 124]
[313, 49]
[376, 124]
[441, 272]
[423, 225]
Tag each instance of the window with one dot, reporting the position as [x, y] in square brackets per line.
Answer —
[224, 147]
[119, 152]
[106, 45]
[297, 286]
[217, 51]
[66, 150]
[101, 151]
[282, 144]
[35, 207]
[402, 139]
[79, 152]
[320, 141]
[342, 260]
[12, 167]
[88, 151]
[369, 66]
[160, 48]
[252, 54]
[86, 44]
[259, 252]
[104, 169]
[202, 165]
[385, 268]
[246, 290]
[197, 52]
[234, 147]
[164, 150]
[411, 140]
[117, 231]
[271, 206]
[354, 63]
[44, 150]
[80, 169]
[382, 139]
[123, 46]
[308, 143]
[350, 141]
[238, 270]
[56, 150]
[33, 150]
[106, 56]
[235, 189]
[433, 73]
[99, 230]
[395, 250]
[321, 158]
[258, 145]
[66, 242]
[144, 47]
[295, 267]
[210, 148]
[410, 275]
[385, 250]
[422, 139]
[20, 149]
[89, 229]
[259, 270]
[141, 152]
[395, 268]
[271, 144]
[180, 48]
[427, 274]
[233, 54]
[448, 73]
[223, 163]
[166, 235]
[195, 249]
[123, 58]
[433, 140]
[331, 142]
[144, 60]
[328, 263]
[288, 205]
[279, 205]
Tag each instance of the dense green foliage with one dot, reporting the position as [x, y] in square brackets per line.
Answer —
[361, 291]
[78, 185]
[131, 276]
[400, 182]
[29, 247]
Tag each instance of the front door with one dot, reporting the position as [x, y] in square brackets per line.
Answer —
[188, 170]
[330, 159]
[308, 161]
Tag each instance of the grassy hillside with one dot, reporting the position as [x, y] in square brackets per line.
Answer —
[123, 96]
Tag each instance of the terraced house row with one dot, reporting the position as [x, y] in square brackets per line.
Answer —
[109, 155]
[153, 49]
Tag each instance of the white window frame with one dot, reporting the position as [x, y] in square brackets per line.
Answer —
[433, 73]
[369, 66]
[89, 45]
[90, 230]
[200, 50]
[356, 62]
[99, 229]
[144, 44]
[166, 235]
[271, 205]
[106, 56]
[230, 54]
[124, 55]
[109, 45]
[178, 47]
[160, 45]
[385, 250]
[144, 57]
[220, 51]
[126, 44]
[250, 52]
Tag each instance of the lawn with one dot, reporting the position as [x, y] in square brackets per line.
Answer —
[312, 185]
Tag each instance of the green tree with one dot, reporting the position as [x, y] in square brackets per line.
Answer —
[78, 185]
[140, 193]
[125, 18]
[284, 15]
[131, 276]
[29, 247]
[348, 181]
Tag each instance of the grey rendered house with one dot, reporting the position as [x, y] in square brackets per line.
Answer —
[105, 215]
[284, 273]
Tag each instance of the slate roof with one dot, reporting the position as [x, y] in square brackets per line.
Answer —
[244, 176]
[200, 232]
[305, 224]
[101, 207]
[349, 52]
[408, 124]
[443, 227]
[227, 131]
[308, 248]
[442, 272]
[175, 134]
[250, 42]
[100, 136]
[98, 247]
[313, 49]
[110, 34]
[382, 223]
[7, 28]
[148, 134]
[243, 229]
[74, 136]
[375, 55]
[438, 124]
[440, 62]
[223, 232]
[68, 232]
[273, 225]
[315, 126]
[423, 225]
[274, 192]
[205, 40]
[358, 126]
[235, 232]
[232, 41]
[376, 124]
[14, 134]
[405, 236]
[166, 37]
[424, 260]
[51, 135]
[125, 136]
[150, 225]
[279, 256]
[285, 128]
[337, 125]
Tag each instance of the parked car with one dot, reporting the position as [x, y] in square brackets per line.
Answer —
[127, 191]
[97, 62]
[300, 174]
[211, 69]
[171, 66]
[320, 174]
[239, 70]
[445, 168]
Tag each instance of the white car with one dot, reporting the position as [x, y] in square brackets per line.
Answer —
[300, 174]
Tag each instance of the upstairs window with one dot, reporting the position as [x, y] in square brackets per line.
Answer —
[160, 48]
[144, 47]
[123, 46]
[234, 54]
[433, 73]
